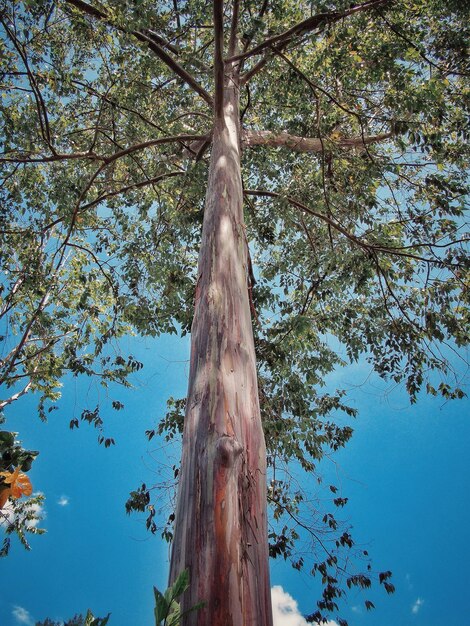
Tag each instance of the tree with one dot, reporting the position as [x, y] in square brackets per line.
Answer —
[77, 620]
[15, 516]
[331, 138]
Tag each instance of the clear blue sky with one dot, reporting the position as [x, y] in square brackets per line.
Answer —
[406, 472]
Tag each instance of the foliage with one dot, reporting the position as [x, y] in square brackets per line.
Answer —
[17, 517]
[358, 245]
[78, 620]
[167, 609]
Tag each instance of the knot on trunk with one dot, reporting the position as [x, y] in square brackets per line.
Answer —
[228, 450]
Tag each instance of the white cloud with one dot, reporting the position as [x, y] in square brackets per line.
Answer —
[22, 616]
[63, 500]
[286, 611]
[417, 605]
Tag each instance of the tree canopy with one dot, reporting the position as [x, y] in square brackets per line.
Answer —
[354, 137]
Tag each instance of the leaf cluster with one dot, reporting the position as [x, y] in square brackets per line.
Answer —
[167, 608]
[17, 517]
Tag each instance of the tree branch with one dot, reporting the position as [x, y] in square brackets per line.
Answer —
[19, 394]
[13, 356]
[218, 57]
[173, 65]
[111, 194]
[152, 142]
[8, 301]
[151, 39]
[311, 23]
[117, 192]
[314, 86]
[304, 144]
[106, 159]
[177, 13]
[40, 104]
[425, 58]
[257, 67]
[39, 158]
[232, 45]
[89, 9]
[299, 205]
[160, 40]
[368, 247]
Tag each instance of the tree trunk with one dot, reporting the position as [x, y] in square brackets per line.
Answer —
[221, 524]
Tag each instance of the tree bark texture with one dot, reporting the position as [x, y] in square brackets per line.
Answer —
[221, 524]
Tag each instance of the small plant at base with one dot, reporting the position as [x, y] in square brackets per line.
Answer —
[167, 609]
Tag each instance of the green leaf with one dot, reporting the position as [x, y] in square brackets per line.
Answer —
[174, 614]
[162, 607]
[181, 584]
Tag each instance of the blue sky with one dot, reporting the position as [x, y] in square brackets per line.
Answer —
[406, 473]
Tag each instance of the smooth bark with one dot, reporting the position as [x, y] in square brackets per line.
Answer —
[221, 525]
[306, 144]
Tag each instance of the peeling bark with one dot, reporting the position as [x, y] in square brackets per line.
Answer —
[221, 524]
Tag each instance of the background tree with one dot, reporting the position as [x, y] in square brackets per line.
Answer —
[77, 620]
[17, 516]
[343, 131]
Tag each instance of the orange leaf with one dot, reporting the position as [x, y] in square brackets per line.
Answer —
[25, 484]
[20, 485]
[10, 477]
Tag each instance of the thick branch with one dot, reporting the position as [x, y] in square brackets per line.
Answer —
[311, 23]
[92, 156]
[173, 65]
[255, 69]
[304, 144]
[89, 9]
[219, 57]
[232, 46]
[151, 40]
[160, 40]
[152, 142]
[50, 158]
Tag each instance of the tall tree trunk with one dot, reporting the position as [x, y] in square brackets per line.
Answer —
[221, 525]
